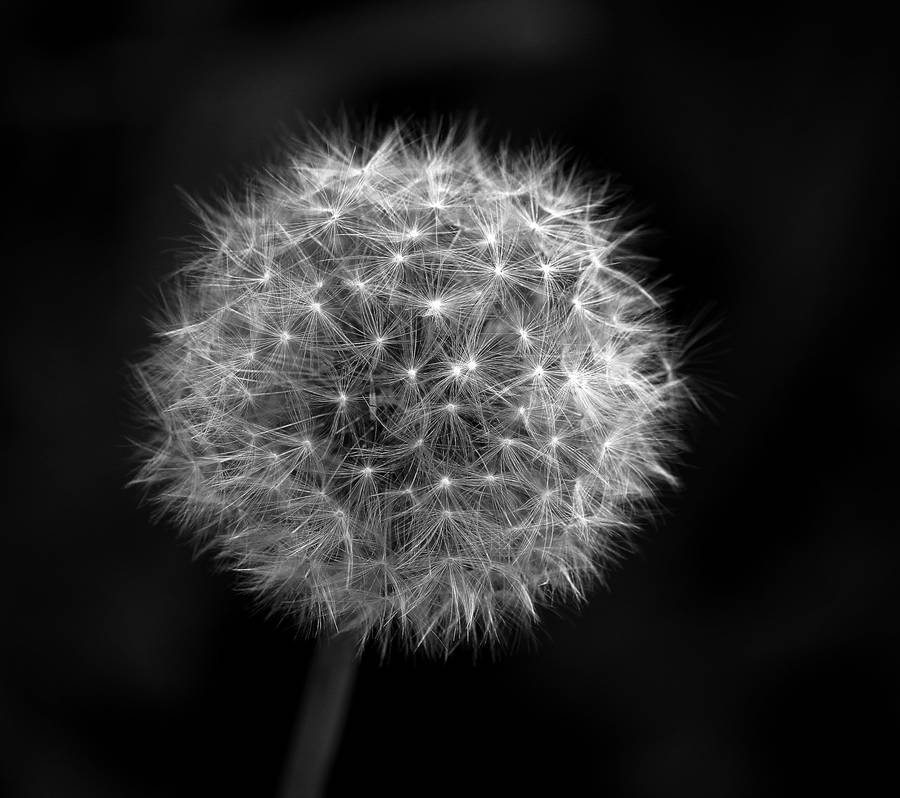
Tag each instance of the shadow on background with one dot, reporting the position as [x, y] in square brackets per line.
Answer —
[749, 649]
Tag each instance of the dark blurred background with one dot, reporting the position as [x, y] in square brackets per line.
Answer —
[750, 648]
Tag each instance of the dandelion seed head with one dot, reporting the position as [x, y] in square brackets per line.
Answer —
[337, 277]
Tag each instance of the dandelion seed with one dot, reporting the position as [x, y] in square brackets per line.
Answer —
[447, 325]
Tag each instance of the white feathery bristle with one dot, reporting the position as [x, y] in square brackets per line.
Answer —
[412, 389]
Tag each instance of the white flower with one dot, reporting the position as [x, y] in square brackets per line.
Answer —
[412, 389]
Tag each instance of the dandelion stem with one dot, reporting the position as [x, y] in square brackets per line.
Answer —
[320, 720]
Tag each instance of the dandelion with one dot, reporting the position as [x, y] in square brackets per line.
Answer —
[410, 390]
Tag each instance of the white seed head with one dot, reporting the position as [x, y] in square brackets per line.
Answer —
[551, 407]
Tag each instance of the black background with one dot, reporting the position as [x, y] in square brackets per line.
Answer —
[749, 649]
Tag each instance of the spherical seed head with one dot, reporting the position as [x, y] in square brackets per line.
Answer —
[412, 389]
